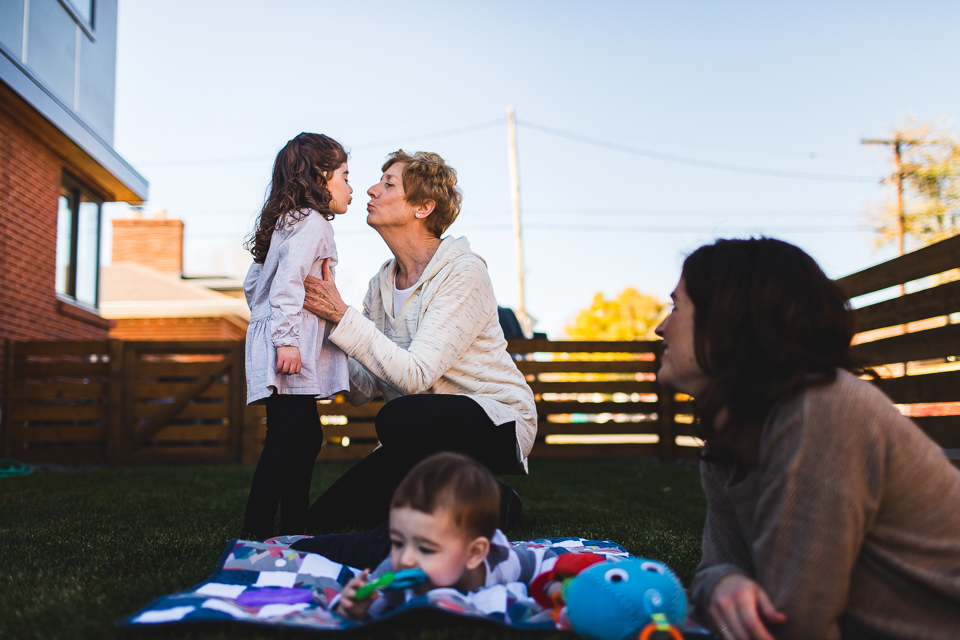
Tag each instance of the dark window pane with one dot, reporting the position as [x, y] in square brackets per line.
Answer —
[64, 236]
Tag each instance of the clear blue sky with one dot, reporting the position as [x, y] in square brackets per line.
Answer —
[208, 92]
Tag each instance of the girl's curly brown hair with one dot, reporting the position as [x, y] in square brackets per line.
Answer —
[298, 184]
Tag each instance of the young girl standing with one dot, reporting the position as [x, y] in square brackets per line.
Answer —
[289, 360]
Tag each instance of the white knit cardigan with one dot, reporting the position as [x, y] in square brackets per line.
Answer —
[446, 338]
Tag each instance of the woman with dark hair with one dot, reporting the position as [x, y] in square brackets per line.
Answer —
[429, 341]
[828, 512]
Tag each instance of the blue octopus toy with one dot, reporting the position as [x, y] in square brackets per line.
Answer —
[627, 599]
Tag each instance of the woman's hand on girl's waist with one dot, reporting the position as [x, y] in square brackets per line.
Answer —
[322, 298]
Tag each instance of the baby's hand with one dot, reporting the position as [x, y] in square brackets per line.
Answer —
[349, 606]
[288, 360]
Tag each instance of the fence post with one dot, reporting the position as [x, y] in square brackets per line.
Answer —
[10, 351]
[128, 404]
[249, 451]
[668, 426]
[115, 398]
[238, 388]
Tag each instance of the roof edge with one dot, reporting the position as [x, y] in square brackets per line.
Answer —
[175, 309]
[23, 95]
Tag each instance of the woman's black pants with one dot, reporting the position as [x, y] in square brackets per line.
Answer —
[411, 428]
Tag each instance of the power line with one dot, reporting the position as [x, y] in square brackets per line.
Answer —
[684, 229]
[243, 235]
[200, 162]
[695, 162]
[782, 213]
[366, 145]
[205, 162]
[721, 228]
[541, 211]
[594, 228]
[436, 134]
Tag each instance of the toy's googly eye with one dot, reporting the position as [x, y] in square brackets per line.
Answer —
[652, 566]
[616, 575]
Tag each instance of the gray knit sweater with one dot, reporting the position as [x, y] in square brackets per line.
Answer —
[850, 522]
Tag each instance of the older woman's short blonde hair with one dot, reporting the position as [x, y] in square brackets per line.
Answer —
[427, 177]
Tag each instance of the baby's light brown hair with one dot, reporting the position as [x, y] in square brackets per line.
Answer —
[457, 483]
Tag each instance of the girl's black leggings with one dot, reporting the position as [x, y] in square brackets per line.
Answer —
[285, 469]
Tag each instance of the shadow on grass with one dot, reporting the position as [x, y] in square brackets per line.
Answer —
[80, 550]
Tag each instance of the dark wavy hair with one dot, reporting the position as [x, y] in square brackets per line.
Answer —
[298, 184]
[457, 483]
[426, 176]
[767, 323]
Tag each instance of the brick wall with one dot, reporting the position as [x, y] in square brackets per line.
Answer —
[29, 192]
[153, 242]
[177, 329]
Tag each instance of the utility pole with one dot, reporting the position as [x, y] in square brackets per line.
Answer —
[525, 320]
[897, 143]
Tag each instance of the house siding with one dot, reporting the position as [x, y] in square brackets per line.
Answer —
[30, 174]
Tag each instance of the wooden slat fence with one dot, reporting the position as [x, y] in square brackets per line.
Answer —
[182, 402]
[913, 340]
[115, 402]
[599, 399]
[594, 399]
[58, 401]
[348, 431]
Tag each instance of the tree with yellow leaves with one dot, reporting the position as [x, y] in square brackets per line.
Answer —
[930, 181]
[631, 315]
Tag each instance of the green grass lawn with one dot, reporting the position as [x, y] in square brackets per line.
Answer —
[81, 549]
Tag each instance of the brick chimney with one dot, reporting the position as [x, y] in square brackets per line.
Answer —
[152, 242]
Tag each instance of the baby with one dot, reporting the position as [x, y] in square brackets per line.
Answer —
[443, 520]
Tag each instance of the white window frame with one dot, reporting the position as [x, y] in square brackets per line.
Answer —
[88, 27]
[77, 192]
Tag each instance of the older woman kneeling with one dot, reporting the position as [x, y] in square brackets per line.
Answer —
[428, 340]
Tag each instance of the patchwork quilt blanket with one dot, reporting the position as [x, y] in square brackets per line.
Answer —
[268, 583]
